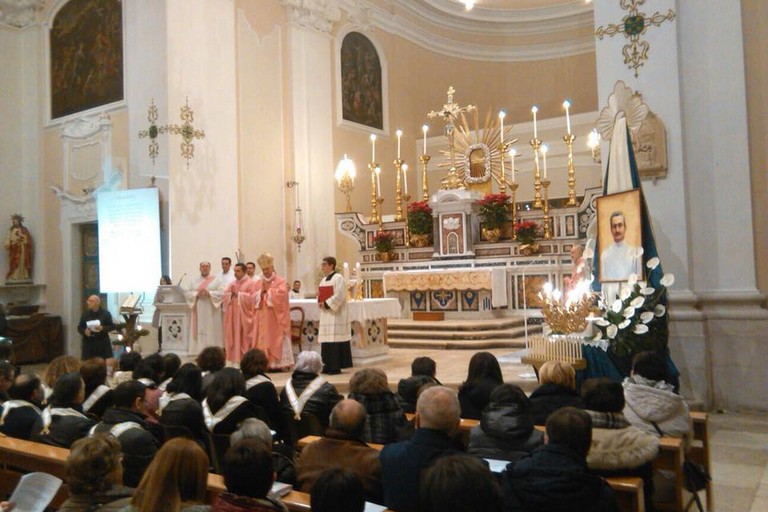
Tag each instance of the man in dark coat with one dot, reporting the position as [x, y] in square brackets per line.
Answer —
[555, 477]
[23, 409]
[423, 370]
[126, 422]
[437, 416]
[96, 334]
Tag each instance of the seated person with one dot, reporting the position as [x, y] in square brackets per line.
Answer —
[98, 396]
[126, 422]
[342, 446]
[62, 422]
[259, 388]
[483, 376]
[423, 370]
[249, 476]
[282, 455]
[337, 490]
[226, 406]
[460, 483]
[210, 360]
[94, 475]
[125, 366]
[437, 418]
[7, 373]
[555, 478]
[386, 419]
[308, 391]
[179, 405]
[557, 388]
[150, 373]
[651, 400]
[56, 368]
[171, 364]
[506, 431]
[618, 448]
[23, 409]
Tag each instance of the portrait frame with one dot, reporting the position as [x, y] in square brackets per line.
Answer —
[629, 204]
[343, 117]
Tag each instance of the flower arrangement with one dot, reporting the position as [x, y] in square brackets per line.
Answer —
[636, 320]
[420, 218]
[526, 231]
[384, 241]
[494, 210]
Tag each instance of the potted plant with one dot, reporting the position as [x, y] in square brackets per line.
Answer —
[526, 232]
[494, 212]
[384, 243]
[420, 223]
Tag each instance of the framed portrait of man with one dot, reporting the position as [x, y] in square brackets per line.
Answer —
[620, 236]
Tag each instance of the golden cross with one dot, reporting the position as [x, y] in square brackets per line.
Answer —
[187, 132]
[450, 110]
[152, 131]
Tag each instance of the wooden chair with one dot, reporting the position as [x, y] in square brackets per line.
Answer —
[218, 446]
[699, 450]
[296, 325]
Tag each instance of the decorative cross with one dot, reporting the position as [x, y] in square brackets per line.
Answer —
[187, 132]
[450, 110]
[152, 131]
[633, 25]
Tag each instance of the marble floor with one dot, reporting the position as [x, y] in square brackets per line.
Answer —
[739, 440]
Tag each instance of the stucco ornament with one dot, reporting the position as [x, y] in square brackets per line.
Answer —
[317, 14]
[19, 13]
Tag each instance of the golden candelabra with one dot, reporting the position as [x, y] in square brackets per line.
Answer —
[407, 198]
[374, 198]
[398, 190]
[380, 201]
[503, 147]
[545, 204]
[347, 185]
[513, 187]
[535, 144]
[569, 138]
[424, 187]
[567, 318]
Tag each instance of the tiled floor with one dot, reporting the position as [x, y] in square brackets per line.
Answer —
[739, 441]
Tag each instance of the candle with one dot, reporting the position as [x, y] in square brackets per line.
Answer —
[566, 106]
[373, 147]
[405, 179]
[535, 109]
[544, 150]
[357, 271]
[346, 272]
[502, 115]
[512, 153]
[425, 129]
[399, 134]
[378, 181]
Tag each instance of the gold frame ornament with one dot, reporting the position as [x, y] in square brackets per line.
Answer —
[187, 131]
[152, 131]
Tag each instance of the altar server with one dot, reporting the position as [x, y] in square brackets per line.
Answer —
[334, 332]
[272, 322]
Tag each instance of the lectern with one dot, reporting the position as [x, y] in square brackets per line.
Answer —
[175, 318]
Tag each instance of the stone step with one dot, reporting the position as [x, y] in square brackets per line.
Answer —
[456, 325]
[458, 344]
[514, 332]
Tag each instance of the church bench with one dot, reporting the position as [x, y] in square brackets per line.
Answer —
[629, 492]
[304, 441]
[670, 458]
[699, 450]
[296, 501]
[465, 425]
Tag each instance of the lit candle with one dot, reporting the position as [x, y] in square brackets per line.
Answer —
[535, 109]
[399, 134]
[346, 272]
[512, 153]
[425, 129]
[544, 150]
[378, 181]
[502, 115]
[405, 178]
[373, 147]
[566, 106]
[357, 271]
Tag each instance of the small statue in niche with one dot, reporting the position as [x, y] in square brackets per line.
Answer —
[18, 243]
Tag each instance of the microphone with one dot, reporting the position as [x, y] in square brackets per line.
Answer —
[182, 278]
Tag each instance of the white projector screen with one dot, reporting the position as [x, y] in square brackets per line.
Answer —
[129, 240]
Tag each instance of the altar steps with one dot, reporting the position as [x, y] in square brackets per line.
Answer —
[459, 334]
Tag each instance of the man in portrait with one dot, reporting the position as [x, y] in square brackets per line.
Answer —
[619, 259]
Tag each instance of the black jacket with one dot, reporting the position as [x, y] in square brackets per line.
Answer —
[555, 479]
[63, 430]
[97, 344]
[19, 422]
[505, 432]
[548, 398]
[235, 418]
[264, 395]
[474, 397]
[321, 403]
[138, 445]
[101, 405]
[186, 412]
[408, 390]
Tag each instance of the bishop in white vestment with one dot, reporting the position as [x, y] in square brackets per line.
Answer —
[206, 310]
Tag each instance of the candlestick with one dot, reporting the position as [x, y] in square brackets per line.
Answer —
[545, 184]
[424, 186]
[425, 129]
[544, 149]
[399, 134]
[405, 178]
[407, 198]
[513, 187]
[346, 271]
[398, 191]
[373, 147]
[535, 109]
[512, 154]
[358, 282]
[378, 181]
[571, 170]
[374, 193]
[567, 106]
[536, 143]
[502, 115]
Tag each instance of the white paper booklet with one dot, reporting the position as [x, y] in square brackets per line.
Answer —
[34, 492]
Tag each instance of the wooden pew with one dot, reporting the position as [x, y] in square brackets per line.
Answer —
[296, 501]
[465, 425]
[304, 441]
[629, 492]
[670, 458]
[699, 450]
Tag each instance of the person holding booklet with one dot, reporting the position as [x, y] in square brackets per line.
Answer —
[334, 332]
[94, 327]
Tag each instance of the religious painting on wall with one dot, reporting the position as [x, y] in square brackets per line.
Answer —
[619, 232]
[361, 82]
[86, 45]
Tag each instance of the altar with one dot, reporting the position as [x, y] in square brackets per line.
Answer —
[368, 319]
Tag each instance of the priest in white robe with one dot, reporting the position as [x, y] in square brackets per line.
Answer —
[335, 330]
[206, 310]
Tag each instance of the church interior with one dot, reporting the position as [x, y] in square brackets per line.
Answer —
[309, 128]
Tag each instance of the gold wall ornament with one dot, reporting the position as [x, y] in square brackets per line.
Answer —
[298, 237]
[187, 131]
[345, 178]
[152, 131]
[633, 25]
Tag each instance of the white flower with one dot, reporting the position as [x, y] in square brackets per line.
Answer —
[652, 263]
[659, 310]
[624, 324]
[589, 253]
[617, 305]
[648, 290]
[629, 312]
[612, 331]
[632, 279]
[640, 251]
[602, 322]
[598, 336]
[641, 329]
[625, 293]
[637, 301]
[646, 316]
[668, 280]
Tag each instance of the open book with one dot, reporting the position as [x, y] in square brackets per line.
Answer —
[34, 492]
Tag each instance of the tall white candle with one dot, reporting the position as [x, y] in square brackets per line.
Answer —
[378, 181]
[425, 129]
[405, 178]
[399, 134]
[502, 115]
[346, 272]
[373, 147]
[567, 106]
[535, 109]
[512, 153]
[544, 150]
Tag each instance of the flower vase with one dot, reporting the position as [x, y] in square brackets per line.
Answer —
[420, 240]
[492, 235]
[385, 256]
[529, 249]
